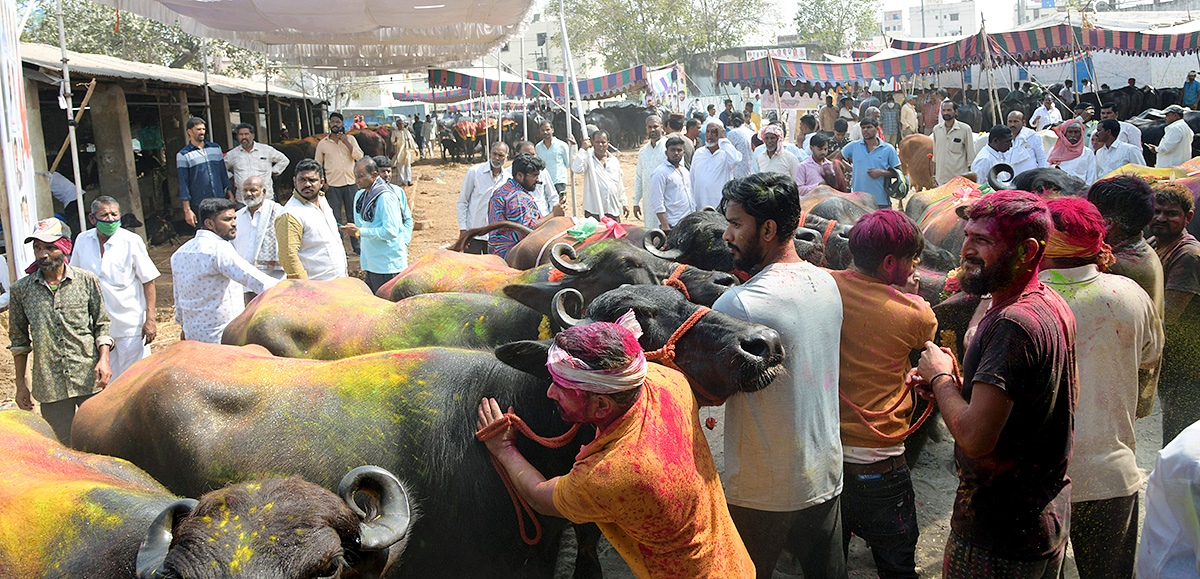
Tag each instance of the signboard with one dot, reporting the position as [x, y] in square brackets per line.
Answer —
[794, 53]
[15, 156]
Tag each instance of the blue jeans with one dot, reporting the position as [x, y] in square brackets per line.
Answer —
[882, 510]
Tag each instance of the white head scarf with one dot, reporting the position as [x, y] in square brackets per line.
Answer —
[571, 372]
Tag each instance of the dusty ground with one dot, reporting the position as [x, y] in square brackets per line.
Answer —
[434, 198]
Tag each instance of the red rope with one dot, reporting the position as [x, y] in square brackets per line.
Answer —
[519, 502]
[666, 354]
[828, 231]
[674, 282]
[863, 414]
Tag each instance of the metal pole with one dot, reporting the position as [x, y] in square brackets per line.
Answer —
[524, 93]
[207, 104]
[987, 59]
[574, 80]
[499, 97]
[566, 94]
[65, 91]
[267, 97]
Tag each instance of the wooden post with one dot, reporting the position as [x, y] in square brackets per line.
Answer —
[37, 148]
[173, 120]
[221, 131]
[114, 150]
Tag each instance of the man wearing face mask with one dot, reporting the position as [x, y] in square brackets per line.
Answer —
[255, 239]
[119, 259]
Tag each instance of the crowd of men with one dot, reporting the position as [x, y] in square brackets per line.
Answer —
[1078, 322]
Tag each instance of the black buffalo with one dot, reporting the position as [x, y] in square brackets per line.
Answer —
[94, 511]
[222, 414]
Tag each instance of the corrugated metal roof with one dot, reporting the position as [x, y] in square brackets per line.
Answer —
[50, 58]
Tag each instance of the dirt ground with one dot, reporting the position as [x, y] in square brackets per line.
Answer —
[434, 197]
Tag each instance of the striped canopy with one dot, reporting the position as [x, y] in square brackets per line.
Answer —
[448, 78]
[1039, 44]
[600, 87]
[438, 96]
[480, 105]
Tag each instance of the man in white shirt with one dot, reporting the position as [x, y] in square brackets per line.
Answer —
[1175, 147]
[1047, 114]
[741, 135]
[255, 240]
[252, 158]
[207, 271]
[712, 165]
[119, 259]
[1027, 150]
[310, 244]
[603, 186]
[1114, 154]
[1118, 335]
[650, 157]
[1170, 546]
[549, 200]
[1129, 132]
[1067, 94]
[480, 182]
[428, 129]
[670, 189]
[783, 446]
[770, 156]
[996, 152]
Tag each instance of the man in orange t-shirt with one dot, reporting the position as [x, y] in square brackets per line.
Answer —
[881, 326]
[647, 480]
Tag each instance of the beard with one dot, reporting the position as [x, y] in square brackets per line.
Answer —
[253, 201]
[48, 264]
[747, 258]
[989, 277]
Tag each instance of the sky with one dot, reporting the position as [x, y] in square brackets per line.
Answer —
[998, 13]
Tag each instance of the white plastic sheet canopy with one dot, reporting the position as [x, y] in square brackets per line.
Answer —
[348, 36]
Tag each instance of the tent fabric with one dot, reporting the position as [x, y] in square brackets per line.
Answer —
[600, 87]
[350, 35]
[1032, 45]
[449, 78]
[438, 96]
[481, 105]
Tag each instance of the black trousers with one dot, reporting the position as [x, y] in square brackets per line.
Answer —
[812, 535]
[341, 201]
[1104, 536]
[376, 280]
[61, 414]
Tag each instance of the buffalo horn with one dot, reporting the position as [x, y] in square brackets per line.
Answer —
[994, 180]
[562, 317]
[395, 512]
[153, 551]
[655, 240]
[572, 267]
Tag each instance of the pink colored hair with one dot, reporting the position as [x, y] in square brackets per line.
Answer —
[1019, 214]
[601, 345]
[882, 233]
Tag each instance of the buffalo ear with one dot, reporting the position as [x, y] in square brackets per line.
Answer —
[528, 356]
[537, 296]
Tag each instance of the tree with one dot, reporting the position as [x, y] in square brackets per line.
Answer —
[97, 29]
[837, 25]
[631, 32]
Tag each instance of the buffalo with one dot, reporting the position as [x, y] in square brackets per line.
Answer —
[222, 414]
[73, 514]
[596, 268]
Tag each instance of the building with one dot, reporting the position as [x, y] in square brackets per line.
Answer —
[943, 19]
[1025, 11]
[542, 48]
[893, 23]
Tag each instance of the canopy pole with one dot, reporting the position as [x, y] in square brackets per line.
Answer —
[524, 94]
[65, 92]
[304, 108]
[207, 104]
[987, 59]
[267, 97]
[499, 98]
[775, 87]
[566, 95]
[1074, 55]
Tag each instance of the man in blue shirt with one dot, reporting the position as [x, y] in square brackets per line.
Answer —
[874, 162]
[1191, 91]
[555, 155]
[201, 167]
[382, 220]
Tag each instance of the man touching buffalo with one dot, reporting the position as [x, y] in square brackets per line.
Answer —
[783, 469]
[648, 479]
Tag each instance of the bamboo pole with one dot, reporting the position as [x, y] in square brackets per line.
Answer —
[65, 90]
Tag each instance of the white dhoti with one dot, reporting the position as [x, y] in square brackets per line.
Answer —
[125, 352]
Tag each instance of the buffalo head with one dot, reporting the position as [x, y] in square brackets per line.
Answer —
[610, 264]
[720, 355]
[281, 528]
[695, 240]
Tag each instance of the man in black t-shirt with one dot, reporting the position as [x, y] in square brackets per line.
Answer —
[1013, 418]
[1179, 382]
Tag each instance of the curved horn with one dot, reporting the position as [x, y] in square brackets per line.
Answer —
[655, 240]
[561, 316]
[153, 550]
[395, 511]
[572, 267]
[994, 180]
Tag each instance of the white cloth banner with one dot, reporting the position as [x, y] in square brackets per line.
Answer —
[15, 155]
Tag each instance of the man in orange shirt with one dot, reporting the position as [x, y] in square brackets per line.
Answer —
[881, 326]
[647, 480]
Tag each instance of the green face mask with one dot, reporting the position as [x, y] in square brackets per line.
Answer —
[108, 227]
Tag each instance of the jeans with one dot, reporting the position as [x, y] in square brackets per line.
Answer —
[881, 508]
[341, 201]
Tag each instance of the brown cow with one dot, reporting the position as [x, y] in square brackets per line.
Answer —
[916, 161]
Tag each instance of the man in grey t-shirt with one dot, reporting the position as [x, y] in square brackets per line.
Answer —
[783, 471]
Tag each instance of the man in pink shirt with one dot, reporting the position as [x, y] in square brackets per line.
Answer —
[817, 169]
